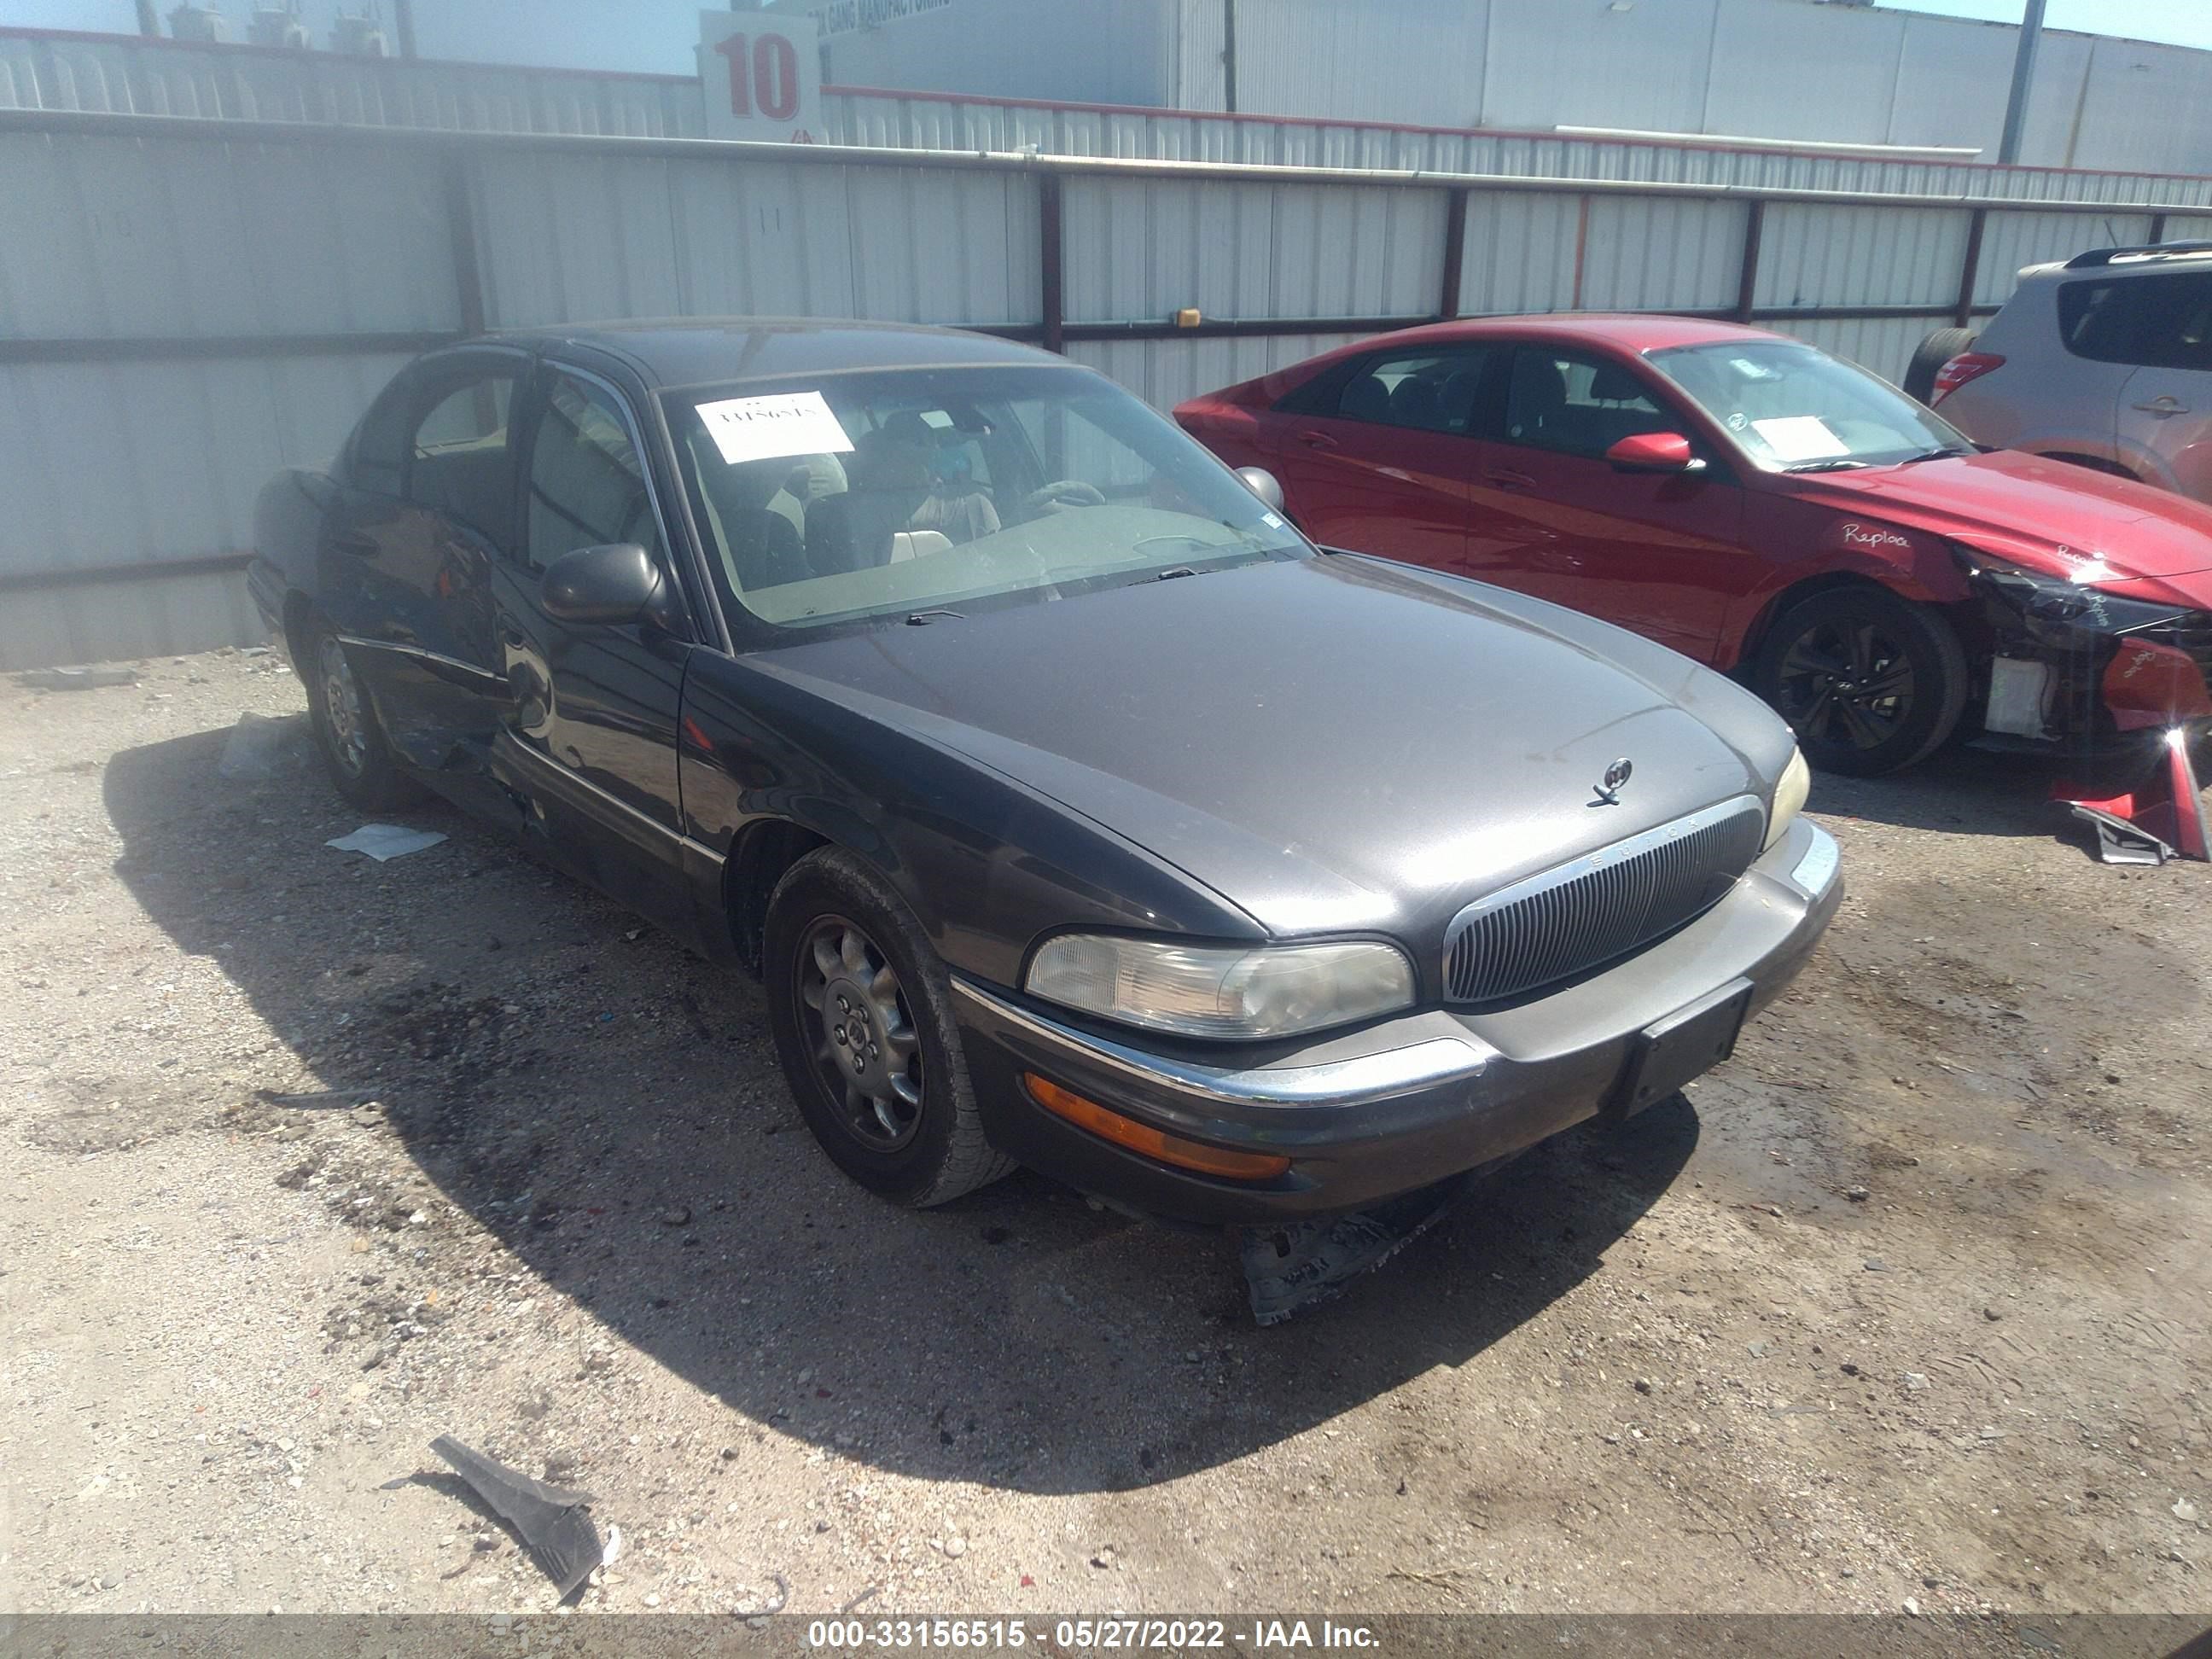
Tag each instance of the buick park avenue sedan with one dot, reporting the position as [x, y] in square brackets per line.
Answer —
[1074, 810]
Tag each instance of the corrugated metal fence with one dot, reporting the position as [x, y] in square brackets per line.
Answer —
[185, 305]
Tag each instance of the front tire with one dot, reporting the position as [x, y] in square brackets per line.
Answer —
[347, 732]
[861, 1010]
[1870, 682]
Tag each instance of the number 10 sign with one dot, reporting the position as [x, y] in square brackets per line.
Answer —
[762, 77]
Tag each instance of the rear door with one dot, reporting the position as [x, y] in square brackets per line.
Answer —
[1660, 553]
[1377, 459]
[2163, 419]
[588, 722]
[409, 551]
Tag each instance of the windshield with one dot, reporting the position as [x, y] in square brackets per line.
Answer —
[914, 494]
[1800, 411]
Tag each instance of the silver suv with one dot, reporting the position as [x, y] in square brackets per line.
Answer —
[2106, 361]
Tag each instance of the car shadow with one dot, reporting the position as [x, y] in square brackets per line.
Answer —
[609, 1108]
[1964, 791]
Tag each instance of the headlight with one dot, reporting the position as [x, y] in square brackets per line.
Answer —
[1789, 794]
[2049, 602]
[1222, 990]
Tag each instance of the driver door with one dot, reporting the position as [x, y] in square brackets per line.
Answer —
[1659, 553]
[588, 733]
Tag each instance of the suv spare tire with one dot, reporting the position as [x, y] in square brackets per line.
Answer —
[1937, 350]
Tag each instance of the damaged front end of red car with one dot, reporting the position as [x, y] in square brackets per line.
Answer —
[2078, 668]
[2110, 678]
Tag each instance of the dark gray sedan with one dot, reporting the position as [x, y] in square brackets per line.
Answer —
[1076, 811]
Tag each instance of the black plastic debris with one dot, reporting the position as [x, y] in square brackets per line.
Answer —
[1291, 1268]
[550, 1521]
[317, 1100]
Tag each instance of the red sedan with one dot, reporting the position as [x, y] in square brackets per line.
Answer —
[1761, 506]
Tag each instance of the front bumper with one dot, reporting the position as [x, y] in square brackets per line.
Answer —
[1392, 1107]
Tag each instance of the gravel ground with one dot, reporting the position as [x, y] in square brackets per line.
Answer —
[1903, 1308]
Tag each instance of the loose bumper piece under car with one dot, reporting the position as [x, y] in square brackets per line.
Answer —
[1391, 1107]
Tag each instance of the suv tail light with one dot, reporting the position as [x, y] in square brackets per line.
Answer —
[1967, 365]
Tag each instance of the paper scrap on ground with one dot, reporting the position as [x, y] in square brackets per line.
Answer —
[1799, 438]
[384, 842]
[783, 423]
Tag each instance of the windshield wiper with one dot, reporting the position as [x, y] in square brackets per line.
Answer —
[923, 618]
[1942, 452]
[1840, 464]
[1170, 574]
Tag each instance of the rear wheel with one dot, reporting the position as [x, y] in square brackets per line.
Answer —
[861, 1010]
[1937, 350]
[1870, 682]
[355, 753]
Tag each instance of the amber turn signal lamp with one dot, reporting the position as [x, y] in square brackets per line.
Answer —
[1153, 1143]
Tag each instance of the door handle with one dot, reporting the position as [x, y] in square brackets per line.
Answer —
[1509, 480]
[1316, 441]
[2164, 404]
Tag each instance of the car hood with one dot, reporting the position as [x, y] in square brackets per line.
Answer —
[1330, 744]
[2049, 516]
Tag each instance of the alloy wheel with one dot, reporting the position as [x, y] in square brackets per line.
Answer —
[867, 1053]
[1846, 682]
[342, 707]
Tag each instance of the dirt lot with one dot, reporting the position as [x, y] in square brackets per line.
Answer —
[1905, 1308]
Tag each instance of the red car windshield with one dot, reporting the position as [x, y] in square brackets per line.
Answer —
[1797, 410]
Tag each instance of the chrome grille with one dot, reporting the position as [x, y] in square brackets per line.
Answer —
[1603, 905]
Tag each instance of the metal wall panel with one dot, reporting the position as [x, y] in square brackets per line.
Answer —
[2141, 106]
[134, 237]
[1641, 67]
[1754, 81]
[1520, 254]
[1164, 372]
[1141, 249]
[101, 464]
[570, 238]
[107, 462]
[1641, 254]
[154, 617]
[1883, 344]
[1860, 256]
[1412, 60]
[2013, 240]
[921, 121]
[123, 74]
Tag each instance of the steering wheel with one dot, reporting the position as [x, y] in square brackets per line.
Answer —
[1063, 492]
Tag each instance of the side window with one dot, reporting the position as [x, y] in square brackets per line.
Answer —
[2180, 332]
[1424, 391]
[587, 485]
[2156, 322]
[1577, 406]
[458, 460]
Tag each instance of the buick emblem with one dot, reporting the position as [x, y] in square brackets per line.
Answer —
[1616, 778]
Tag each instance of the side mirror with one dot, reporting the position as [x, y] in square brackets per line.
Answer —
[1262, 482]
[610, 585]
[1654, 452]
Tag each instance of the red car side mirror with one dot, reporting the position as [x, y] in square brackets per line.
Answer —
[1654, 452]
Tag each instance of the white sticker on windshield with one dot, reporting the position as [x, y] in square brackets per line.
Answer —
[764, 429]
[1799, 438]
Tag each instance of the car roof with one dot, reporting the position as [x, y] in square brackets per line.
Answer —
[1630, 331]
[690, 351]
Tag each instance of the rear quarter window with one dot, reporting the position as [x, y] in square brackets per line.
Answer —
[2155, 322]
